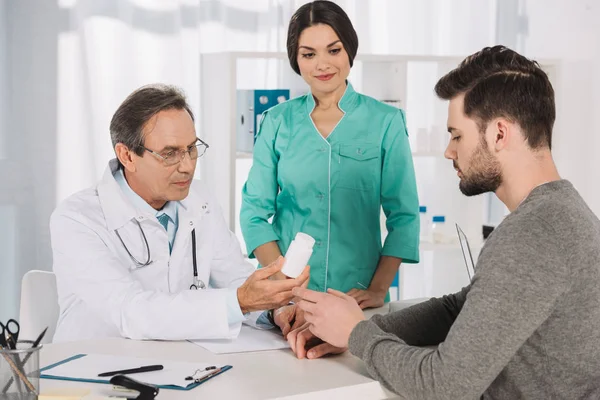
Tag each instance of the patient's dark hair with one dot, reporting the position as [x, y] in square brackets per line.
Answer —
[499, 82]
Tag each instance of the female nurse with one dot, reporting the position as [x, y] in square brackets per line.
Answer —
[326, 163]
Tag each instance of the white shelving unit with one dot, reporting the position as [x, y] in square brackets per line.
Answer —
[405, 79]
[222, 74]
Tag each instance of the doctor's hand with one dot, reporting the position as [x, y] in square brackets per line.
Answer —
[261, 293]
[305, 344]
[368, 298]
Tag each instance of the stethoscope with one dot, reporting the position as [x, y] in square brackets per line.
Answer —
[198, 284]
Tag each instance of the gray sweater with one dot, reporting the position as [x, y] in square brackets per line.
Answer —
[527, 327]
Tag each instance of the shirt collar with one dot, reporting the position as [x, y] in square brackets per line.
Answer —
[118, 209]
[347, 103]
[170, 208]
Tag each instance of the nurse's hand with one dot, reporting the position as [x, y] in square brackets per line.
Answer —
[261, 293]
[305, 344]
[368, 298]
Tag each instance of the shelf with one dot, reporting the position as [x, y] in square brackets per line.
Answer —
[426, 246]
[243, 155]
[424, 154]
[432, 154]
[373, 58]
[377, 58]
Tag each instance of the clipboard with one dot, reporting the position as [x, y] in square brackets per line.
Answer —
[58, 371]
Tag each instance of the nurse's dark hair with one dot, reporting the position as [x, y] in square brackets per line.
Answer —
[128, 122]
[499, 82]
[321, 12]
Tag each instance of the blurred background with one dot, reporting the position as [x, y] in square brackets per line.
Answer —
[66, 65]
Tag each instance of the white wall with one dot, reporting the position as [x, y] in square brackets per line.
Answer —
[3, 77]
[569, 31]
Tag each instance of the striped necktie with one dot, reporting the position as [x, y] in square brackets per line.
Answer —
[164, 221]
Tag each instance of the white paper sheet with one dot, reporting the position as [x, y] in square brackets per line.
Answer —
[249, 339]
[89, 366]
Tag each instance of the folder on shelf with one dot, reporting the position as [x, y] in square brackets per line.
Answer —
[175, 375]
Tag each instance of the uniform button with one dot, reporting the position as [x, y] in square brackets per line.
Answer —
[320, 196]
[359, 151]
[318, 243]
[322, 149]
[191, 223]
[140, 218]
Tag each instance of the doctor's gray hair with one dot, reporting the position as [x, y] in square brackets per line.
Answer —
[128, 122]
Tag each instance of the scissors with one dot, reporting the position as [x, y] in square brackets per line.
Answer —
[9, 335]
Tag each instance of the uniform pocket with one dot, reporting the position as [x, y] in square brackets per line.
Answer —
[359, 166]
[359, 152]
[358, 278]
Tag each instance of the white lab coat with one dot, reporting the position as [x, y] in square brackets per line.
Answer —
[102, 293]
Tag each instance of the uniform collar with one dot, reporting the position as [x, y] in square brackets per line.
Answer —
[347, 103]
[119, 209]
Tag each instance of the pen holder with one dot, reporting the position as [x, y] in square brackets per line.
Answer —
[20, 371]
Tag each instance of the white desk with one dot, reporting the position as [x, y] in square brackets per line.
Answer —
[261, 375]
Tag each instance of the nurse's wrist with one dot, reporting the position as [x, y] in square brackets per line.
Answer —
[378, 289]
[278, 276]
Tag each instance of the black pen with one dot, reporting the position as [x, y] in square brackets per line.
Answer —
[147, 368]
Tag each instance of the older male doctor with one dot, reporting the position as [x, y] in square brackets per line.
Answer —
[146, 254]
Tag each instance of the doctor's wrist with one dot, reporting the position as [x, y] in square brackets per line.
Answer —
[241, 302]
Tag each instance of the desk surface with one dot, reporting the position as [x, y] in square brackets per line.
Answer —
[259, 375]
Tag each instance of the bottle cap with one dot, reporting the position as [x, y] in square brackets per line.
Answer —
[307, 240]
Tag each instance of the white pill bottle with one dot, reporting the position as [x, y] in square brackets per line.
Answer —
[297, 255]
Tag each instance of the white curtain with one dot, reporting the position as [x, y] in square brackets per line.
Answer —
[65, 66]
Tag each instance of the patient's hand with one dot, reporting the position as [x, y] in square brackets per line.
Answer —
[283, 318]
[305, 344]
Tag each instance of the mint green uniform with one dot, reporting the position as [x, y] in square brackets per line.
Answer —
[333, 189]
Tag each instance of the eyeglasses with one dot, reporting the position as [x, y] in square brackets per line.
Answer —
[173, 157]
